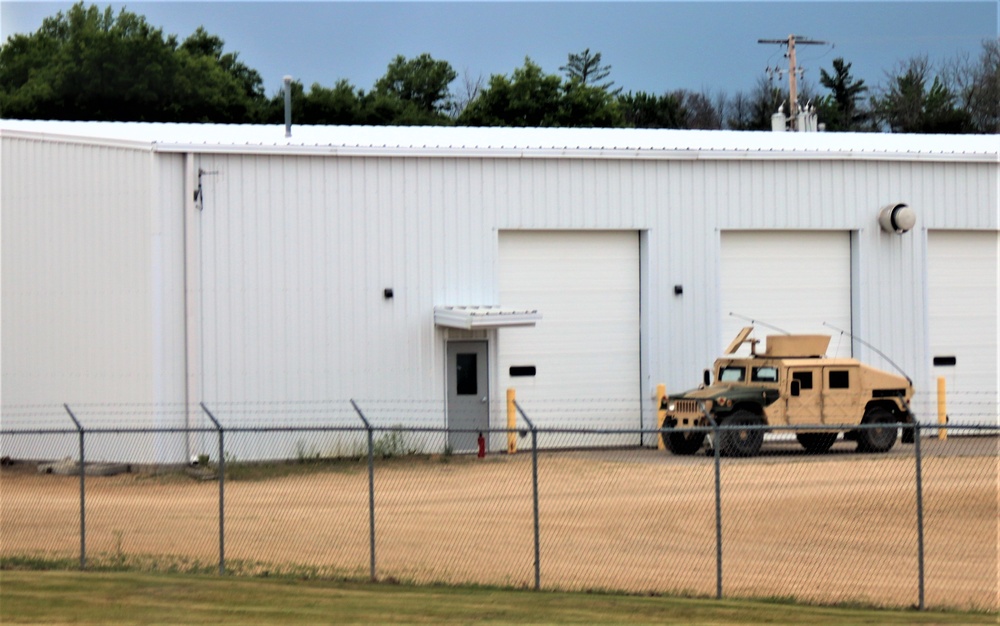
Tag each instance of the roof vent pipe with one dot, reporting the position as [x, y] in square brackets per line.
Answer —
[897, 218]
[288, 106]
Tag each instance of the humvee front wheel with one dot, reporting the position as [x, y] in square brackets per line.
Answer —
[879, 439]
[683, 443]
[816, 442]
[741, 442]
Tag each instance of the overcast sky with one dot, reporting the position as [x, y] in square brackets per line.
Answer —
[651, 46]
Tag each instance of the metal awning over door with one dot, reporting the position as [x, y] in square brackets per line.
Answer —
[481, 317]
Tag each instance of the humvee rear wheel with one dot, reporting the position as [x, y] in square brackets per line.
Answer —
[816, 442]
[683, 443]
[741, 442]
[877, 439]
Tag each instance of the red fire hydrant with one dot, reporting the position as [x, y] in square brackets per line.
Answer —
[482, 446]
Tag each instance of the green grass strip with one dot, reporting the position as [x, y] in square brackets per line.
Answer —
[60, 597]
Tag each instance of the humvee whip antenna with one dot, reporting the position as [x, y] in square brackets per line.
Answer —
[772, 327]
[871, 347]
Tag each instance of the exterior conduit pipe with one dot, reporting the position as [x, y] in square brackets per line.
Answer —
[192, 305]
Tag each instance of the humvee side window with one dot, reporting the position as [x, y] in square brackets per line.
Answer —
[805, 379]
[764, 375]
[840, 379]
[731, 374]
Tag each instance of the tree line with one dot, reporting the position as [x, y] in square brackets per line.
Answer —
[92, 64]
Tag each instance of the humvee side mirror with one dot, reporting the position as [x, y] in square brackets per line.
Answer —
[796, 387]
[708, 378]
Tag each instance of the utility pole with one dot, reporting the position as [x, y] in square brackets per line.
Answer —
[793, 68]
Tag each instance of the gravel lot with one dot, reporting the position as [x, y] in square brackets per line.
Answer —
[827, 528]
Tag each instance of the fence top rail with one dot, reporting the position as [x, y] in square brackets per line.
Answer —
[290, 428]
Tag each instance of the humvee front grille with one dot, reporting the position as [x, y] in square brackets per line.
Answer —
[686, 406]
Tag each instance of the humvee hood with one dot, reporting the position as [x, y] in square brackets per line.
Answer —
[705, 393]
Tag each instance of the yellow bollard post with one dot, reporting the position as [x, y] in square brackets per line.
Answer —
[942, 409]
[511, 422]
[661, 392]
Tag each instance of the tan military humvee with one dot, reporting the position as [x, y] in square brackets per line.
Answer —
[791, 383]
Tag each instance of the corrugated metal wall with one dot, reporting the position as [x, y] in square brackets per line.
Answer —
[294, 253]
[78, 308]
[297, 251]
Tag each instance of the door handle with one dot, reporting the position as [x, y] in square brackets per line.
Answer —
[483, 400]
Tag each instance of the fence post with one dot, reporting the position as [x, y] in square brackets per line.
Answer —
[222, 490]
[920, 513]
[83, 493]
[511, 421]
[534, 493]
[718, 511]
[661, 415]
[942, 407]
[371, 489]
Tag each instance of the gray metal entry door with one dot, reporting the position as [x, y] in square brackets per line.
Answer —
[468, 394]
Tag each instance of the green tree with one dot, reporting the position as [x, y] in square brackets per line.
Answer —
[345, 105]
[908, 105]
[422, 81]
[214, 86]
[529, 98]
[646, 110]
[587, 69]
[89, 64]
[584, 106]
[201, 43]
[381, 109]
[339, 105]
[840, 110]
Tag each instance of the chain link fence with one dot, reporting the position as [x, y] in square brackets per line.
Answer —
[349, 493]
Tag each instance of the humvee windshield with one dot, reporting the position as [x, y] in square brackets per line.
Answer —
[732, 374]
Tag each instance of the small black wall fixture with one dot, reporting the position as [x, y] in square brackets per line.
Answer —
[387, 293]
[678, 290]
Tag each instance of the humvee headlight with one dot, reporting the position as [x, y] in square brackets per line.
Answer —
[671, 406]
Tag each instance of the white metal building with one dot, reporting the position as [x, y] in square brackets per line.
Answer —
[432, 268]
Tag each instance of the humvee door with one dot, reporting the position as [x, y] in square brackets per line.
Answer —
[841, 395]
[804, 398]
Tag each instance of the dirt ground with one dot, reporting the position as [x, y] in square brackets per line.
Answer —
[839, 527]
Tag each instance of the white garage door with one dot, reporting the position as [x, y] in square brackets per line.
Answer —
[579, 366]
[962, 309]
[794, 280]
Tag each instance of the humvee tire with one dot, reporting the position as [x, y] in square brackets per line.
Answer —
[877, 439]
[683, 444]
[741, 442]
[816, 442]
